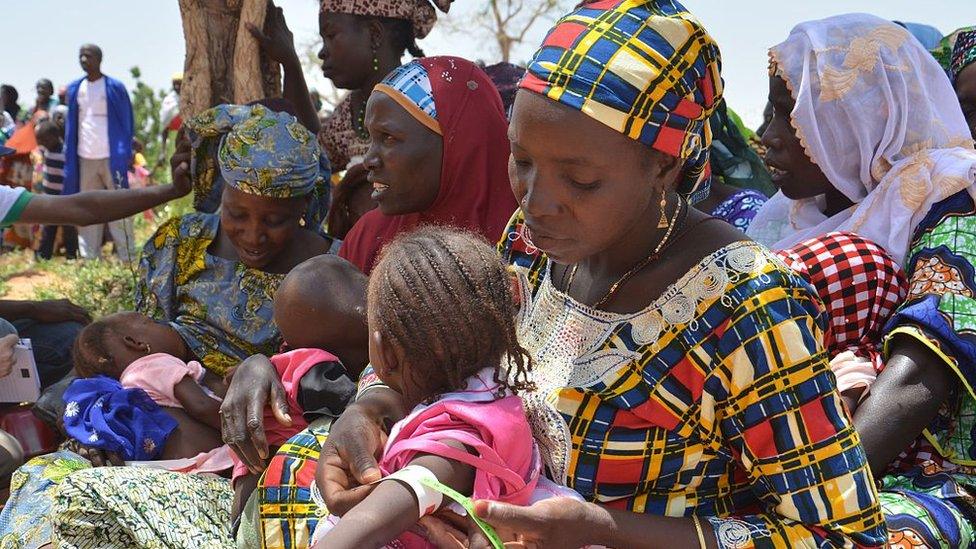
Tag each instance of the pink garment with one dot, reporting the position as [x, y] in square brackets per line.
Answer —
[158, 374]
[853, 371]
[216, 460]
[291, 366]
[507, 467]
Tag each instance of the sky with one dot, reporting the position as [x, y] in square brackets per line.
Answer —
[149, 34]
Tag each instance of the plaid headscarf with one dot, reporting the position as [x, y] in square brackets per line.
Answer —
[419, 12]
[257, 151]
[409, 85]
[645, 68]
[963, 53]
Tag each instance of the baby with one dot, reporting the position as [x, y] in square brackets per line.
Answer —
[319, 305]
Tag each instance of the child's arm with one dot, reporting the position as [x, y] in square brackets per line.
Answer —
[197, 403]
[392, 508]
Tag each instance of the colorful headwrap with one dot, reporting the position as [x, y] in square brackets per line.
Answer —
[419, 12]
[645, 68]
[257, 151]
[943, 52]
[409, 85]
[100, 413]
[963, 52]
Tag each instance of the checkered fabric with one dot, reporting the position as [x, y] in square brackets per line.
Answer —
[964, 52]
[647, 69]
[288, 514]
[860, 285]
[717, 400]
[412, 82]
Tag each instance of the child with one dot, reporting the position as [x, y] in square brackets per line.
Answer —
[150, 355]
[50, 139]
[860, 286]
[442, 334]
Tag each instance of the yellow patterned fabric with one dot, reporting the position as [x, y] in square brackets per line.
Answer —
[716, 400]
[222, 309]
[646, 68]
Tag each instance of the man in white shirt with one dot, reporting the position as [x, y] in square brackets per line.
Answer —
[99, 132]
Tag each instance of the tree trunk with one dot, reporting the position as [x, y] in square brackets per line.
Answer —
[223, 63]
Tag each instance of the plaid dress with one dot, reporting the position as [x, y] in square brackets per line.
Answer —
[716, 401]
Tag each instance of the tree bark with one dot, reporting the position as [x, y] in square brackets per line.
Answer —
[223, 63]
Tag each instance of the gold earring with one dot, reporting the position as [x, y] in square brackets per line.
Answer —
[663, 223]
[148, 349]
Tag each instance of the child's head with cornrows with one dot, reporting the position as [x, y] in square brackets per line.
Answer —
[440, 309]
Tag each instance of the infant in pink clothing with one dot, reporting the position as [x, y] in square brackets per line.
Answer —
[150, 355]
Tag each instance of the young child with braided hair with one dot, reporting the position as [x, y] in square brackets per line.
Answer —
[441, 318]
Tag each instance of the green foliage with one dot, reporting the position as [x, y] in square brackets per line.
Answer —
[145, 108]
[101, 287]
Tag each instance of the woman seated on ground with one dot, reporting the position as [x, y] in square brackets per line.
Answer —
[439, 155]
[678, 335]
[896, 166]
[213, 277]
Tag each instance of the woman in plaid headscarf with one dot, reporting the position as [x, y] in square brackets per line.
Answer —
[681, 385]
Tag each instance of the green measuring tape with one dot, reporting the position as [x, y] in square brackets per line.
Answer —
[468, 505]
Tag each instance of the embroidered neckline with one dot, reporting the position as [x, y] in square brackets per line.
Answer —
[704, 265]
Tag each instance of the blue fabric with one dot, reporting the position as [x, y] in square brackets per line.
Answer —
[101, 414]
[412, 81]
[928, 35]
[121, 128]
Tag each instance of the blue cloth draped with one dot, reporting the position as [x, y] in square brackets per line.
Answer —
[101, 414]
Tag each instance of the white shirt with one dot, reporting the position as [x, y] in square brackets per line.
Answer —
[92, 120]
[169, 109]
[13, 200]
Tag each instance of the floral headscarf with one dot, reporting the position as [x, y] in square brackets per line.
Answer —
[257, 151]
[877, 115]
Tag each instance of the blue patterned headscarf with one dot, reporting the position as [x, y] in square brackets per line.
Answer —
[100, 413]
[257, 151]
[409, 85]
[646, 68]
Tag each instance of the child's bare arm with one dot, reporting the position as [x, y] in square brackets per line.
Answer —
[391, 508]
[197, 403]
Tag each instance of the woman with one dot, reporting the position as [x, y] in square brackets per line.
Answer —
[872, 174]
[962, 69]
[213, 278]
[438, 155]
[361, 43]
[902, 175]
[681, 383]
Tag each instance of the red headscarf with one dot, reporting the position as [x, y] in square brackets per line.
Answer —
[475, 192]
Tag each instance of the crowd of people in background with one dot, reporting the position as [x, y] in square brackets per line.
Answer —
[572, 303]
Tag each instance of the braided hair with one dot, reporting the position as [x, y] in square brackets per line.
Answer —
[443, 300]
[89, 354]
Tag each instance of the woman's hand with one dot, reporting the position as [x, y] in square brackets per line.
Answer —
[556, 523]
[254, 385]
[179, 164]
[278, 43]
[98, 458]
[348, 463]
